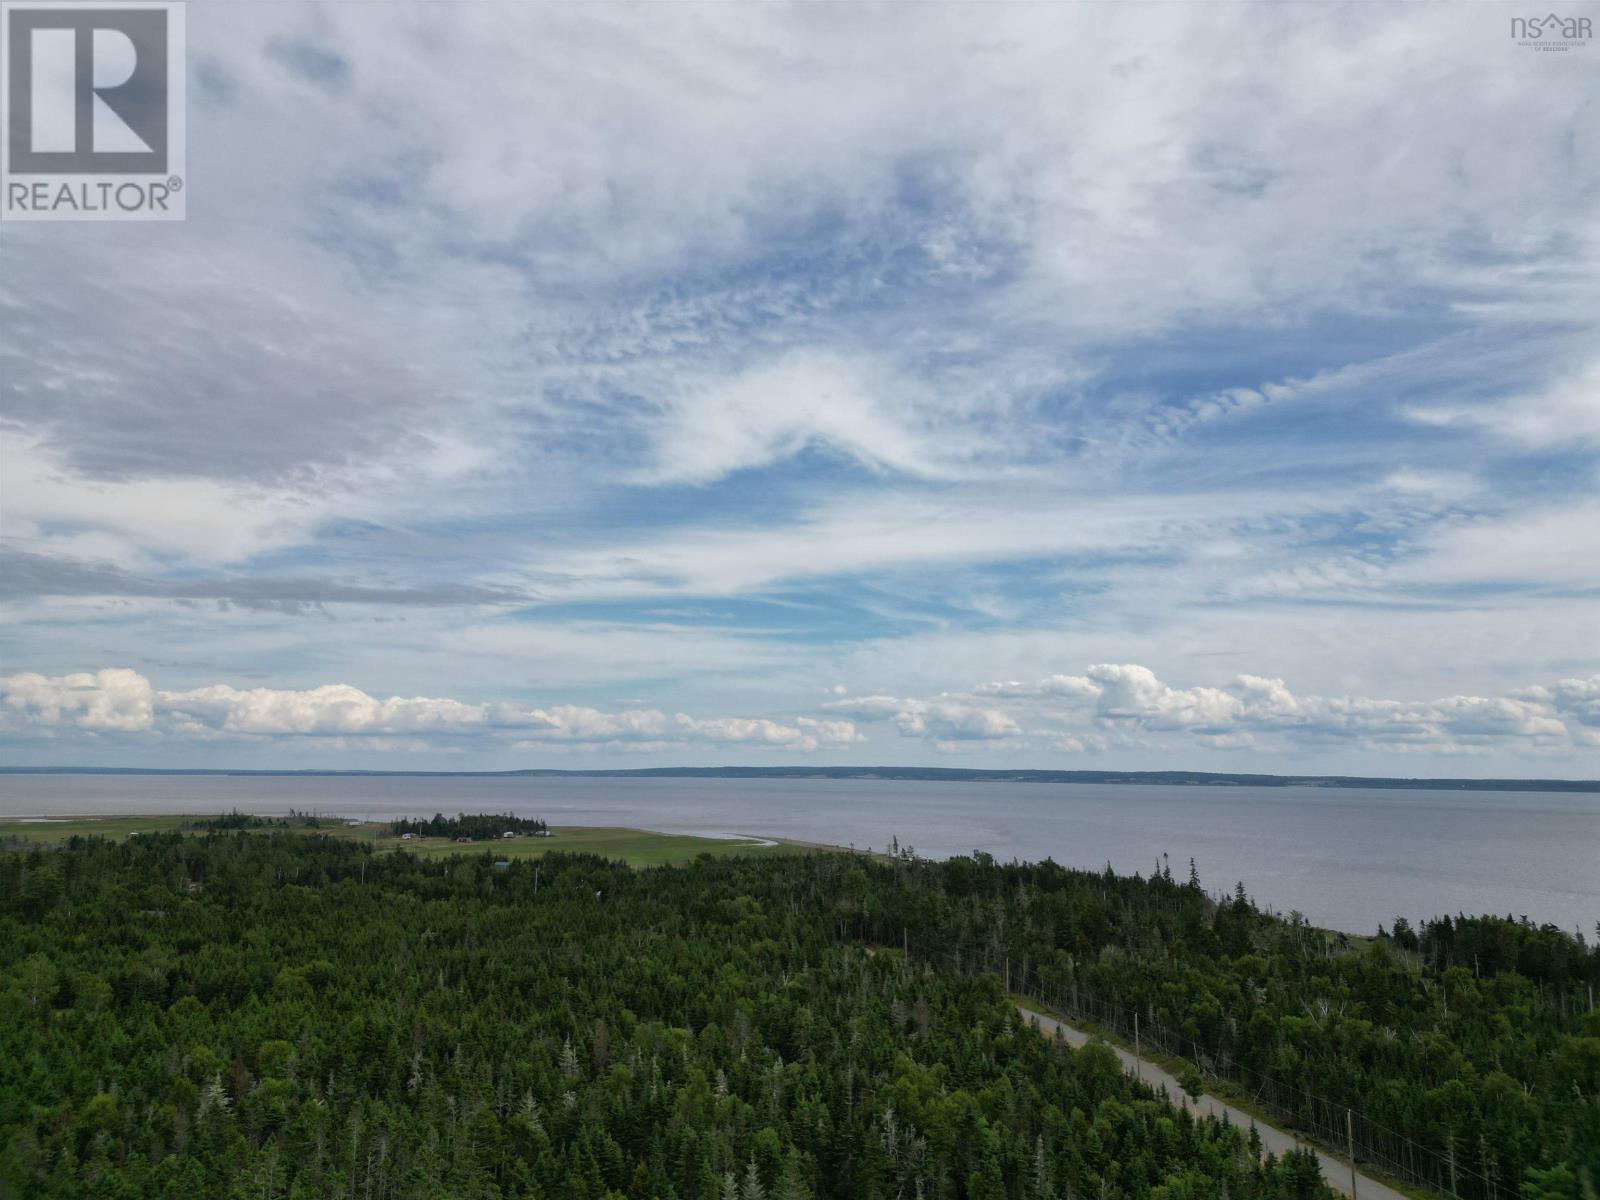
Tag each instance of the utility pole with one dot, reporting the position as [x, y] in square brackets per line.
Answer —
[1350, 1139]
[1138, 1063]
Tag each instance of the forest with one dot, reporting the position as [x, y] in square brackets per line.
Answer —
[267, 1014]
[1466, 1053]
[472, 825]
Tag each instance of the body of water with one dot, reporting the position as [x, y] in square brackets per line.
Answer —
[1347, 858]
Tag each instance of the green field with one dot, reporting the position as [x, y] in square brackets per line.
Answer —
[109, 827]
[633, 846]
[636, 847]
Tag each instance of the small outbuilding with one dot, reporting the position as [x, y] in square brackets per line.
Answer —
[507, 834]
[464, 841]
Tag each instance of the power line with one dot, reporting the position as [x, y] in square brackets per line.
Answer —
[983, 961]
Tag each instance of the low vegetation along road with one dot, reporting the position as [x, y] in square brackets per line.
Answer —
[1334, 1171]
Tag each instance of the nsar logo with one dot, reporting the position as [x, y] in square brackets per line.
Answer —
[92, 111]
[1551, 32]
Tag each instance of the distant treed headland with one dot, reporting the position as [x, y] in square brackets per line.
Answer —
[927, 774]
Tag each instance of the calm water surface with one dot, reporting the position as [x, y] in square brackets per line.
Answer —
[1346, 858]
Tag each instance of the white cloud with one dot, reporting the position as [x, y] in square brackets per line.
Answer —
[1133, 693]
[331, 709]
[1552, 545]
[1111, 705]
[941, 719]
[134, 523]
[1564, 414]
[1440, 485]
[111, 700]
[123, 701]
[852, 407]
[1054, 685]
[1575, 701]
[981, 260]
[853, 532]
[945, 720]
[1119, 700]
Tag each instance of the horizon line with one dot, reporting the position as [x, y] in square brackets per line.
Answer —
[1177, 776]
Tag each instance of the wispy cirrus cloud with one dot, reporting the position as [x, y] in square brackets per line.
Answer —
[24, 576]
[1564, 413]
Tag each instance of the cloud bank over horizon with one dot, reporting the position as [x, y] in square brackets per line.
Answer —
[1110, 706]
[653, 372]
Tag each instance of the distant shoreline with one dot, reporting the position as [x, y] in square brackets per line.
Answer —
[893, 774]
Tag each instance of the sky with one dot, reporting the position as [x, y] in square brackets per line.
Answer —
[1192, 386]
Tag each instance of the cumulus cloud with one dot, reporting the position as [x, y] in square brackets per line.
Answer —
[1053, 685]
[1109, 706]
[941, 719]
[1076, 713]
[113, 700]
[331, 709]
[118, 700]
[1576, 702]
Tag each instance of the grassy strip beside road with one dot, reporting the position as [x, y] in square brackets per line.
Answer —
[1221, 1094]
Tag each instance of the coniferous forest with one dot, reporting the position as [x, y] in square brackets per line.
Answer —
[472, 825]
[268, 1014]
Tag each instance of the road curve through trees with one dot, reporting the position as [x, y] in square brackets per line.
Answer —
[1335, 1171]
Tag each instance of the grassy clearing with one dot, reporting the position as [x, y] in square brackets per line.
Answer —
[47, 832]
[636, 847]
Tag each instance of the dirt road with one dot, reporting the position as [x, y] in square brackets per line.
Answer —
[1335, 1171]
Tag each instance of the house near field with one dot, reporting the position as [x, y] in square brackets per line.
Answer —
[507, 834]
[542, 833]
[353, 824]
